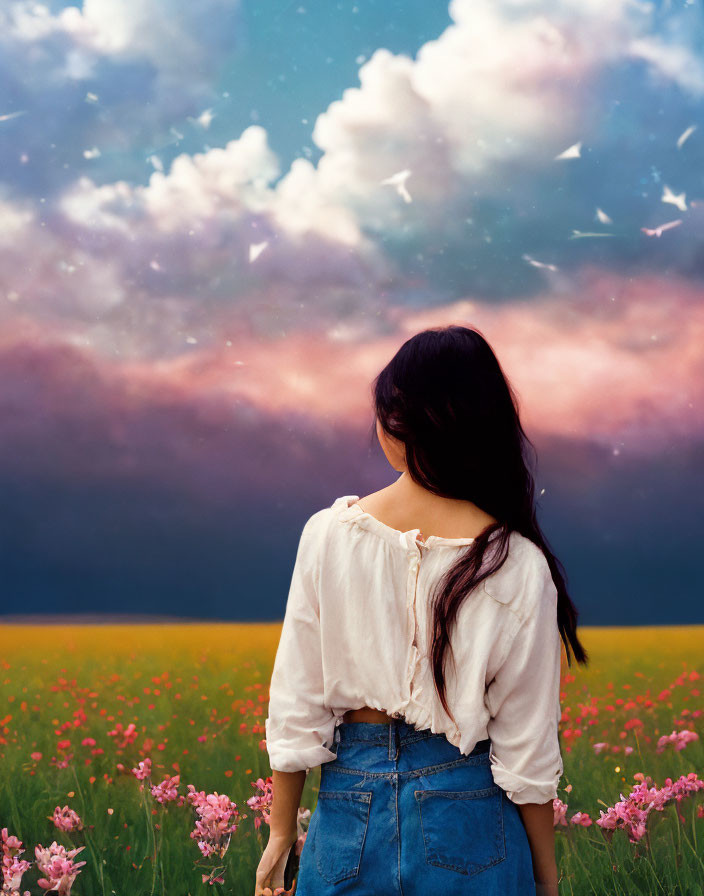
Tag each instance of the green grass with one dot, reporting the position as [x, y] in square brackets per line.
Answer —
[178, 683]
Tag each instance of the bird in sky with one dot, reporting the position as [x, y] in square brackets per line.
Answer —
[398, 180]
[683, 136]
[203, 119]
[10, 115]
[572, 152]
[603, 217]
[658, 231]
[539, 264]
[677, 199]
[256, 249]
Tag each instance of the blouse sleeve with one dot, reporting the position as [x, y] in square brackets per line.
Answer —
[523, 700]
[299, 725]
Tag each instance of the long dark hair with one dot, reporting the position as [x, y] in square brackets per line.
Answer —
[446, 398]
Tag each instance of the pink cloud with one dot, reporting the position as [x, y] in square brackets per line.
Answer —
[617, 362]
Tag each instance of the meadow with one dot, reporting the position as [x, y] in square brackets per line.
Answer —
[103, 729]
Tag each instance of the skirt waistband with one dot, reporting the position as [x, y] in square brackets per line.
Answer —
[396, 733]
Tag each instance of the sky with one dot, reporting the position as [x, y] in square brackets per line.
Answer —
[219, 220]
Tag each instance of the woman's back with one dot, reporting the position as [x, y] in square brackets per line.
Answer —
[356, 633]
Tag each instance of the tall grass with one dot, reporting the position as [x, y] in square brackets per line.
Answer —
[197, 695]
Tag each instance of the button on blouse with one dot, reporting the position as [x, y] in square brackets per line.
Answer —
[356, 632]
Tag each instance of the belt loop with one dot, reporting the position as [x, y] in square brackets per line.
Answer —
[394, 739]
[336, 736]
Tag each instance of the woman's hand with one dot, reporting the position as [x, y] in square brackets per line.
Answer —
[270, 871]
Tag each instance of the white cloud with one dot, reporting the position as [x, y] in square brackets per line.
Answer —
[167, 32]
[221, 182]
[150, 63]
[498, 85]
[103, 207]
[299, 207]
[228, 181]
[45, 277]
[673, 62]
[16, 219]
[220, 185]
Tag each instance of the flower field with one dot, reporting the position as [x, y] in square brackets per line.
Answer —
[133, 760]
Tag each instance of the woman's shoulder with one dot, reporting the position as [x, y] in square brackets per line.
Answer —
[319, 525]
[316, 524]
[521, 577]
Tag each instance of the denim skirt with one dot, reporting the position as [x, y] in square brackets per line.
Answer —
[402, 811]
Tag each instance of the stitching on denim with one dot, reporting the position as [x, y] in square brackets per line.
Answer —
[404, 738]
[364, 835]
[475, 870]
[361, 783]
[346, 794]
[422, 831]
[458, 794]
[479, 759]
[398, 837]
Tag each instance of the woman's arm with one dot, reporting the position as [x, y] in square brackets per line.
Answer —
[523, 700]
[538, 820]
[283, 831]
[283, 814]
[299, 727]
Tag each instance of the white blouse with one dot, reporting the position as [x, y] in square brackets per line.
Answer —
[356, 633]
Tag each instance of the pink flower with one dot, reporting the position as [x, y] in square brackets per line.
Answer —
[12, 873]
[302, 816]
[581, 818]
[13, 868]
[67, 820]
[678, 739]
[143, 769]
[599, 747]
[167, 791]
[218, 817]
[35, 756]
[88, 742]
[195, 797]
[126, 735]
[261, 802]
[10, 844]
[631, 813]
[58, 867]
[559, 811]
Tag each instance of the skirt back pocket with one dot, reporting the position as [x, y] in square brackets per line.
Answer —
[463, 830]
[341, 821]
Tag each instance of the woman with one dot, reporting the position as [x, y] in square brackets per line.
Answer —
[435, 777]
